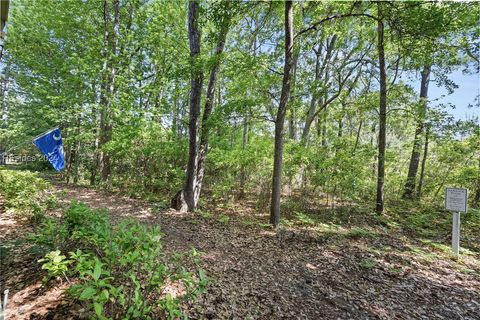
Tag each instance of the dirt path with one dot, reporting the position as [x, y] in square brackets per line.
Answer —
[260, 274]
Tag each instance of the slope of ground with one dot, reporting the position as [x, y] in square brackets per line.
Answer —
[258, 273]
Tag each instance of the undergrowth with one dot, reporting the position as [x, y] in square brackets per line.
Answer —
[121, 271]
[25, 193]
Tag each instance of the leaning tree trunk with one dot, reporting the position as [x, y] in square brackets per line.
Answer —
[184, 200]
[205, 131]
[409, 192]
[424, 161]
[279, 123]
[383, 120]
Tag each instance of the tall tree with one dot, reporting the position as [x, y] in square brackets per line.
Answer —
[224, 16]
[188, 198]
[280, 119]
[110, 43]
[382, 132]
[184, 200]
[424, 162]
[409, 191]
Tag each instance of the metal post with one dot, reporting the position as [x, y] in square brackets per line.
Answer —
[3, 308]
[456, 234]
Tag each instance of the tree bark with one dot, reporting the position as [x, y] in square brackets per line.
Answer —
[357, 137]
[4, 117]
[210, 98]
[409, 191]
[424, 161]
[476, 198]
[313, 104]
[383, 118]
[243, 171]
[110, 42]
[291, 119]
[279, 123]
[184, 200]
[321, 72]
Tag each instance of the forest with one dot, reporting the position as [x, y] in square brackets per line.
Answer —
[239, 159]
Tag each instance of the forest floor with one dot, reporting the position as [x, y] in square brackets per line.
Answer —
[336, 269]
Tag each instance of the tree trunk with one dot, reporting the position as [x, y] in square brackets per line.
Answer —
[424, 161]
[313, 104]
[357, 138]
[291, 119]
[184, 200]
[243, 171]
[4, 117]
[323, 127]
[110, 43]
[176, 109]
[210, 98]
[383, 120]
[409, 191]
[476, 198]
[279, 123]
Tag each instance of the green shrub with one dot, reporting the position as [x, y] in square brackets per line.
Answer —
[52, 234]
[122, 270]
[25, 193]
[79, 217]
[55, 264]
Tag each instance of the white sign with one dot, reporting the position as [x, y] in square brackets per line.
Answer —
[456, 199]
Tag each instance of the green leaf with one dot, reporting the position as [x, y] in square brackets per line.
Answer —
[98, 309]
[97, 271]
[87, 293]
[202, 275]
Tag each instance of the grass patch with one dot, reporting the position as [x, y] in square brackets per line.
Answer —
[357, 233]
[205, 214]
[223, 218]
[367, 263]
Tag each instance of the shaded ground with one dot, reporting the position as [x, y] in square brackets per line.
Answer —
[293, 273]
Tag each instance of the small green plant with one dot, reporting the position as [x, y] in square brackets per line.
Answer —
[303, 218]
[51, 233]
[223, 218]
[367, 263]
[80, 216]
[205, 214]
[56, 265]
[52, 202]
[358, 232]
[96, 287]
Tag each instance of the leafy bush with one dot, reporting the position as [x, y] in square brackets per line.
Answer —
[56, 265]
[25, 193]
[52, 234]
[122, 270]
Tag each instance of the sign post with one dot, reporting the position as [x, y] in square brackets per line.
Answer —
[456, 201]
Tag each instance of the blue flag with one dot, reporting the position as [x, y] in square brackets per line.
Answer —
[50, 144]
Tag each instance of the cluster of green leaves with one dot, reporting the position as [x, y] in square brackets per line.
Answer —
[149, 160]
[56, 265]
[122, 271]
[25, 193]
